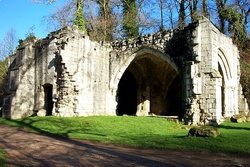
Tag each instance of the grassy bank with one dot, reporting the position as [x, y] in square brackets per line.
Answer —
[140, 132]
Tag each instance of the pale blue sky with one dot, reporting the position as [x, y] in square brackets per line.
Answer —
[21, 15]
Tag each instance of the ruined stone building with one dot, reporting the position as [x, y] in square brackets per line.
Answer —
[192, 73]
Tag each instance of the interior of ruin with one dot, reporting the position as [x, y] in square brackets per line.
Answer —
[150, 86]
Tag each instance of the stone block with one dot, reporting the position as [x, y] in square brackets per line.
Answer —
[238, 118]
[41, 112]
[203, 131]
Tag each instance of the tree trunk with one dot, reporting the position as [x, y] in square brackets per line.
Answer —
[193, 10]
[182, 14]
[204, 8]
[220, 4]
[161, 13]
[106, 17]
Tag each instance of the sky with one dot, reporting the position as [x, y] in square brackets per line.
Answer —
[22, 15]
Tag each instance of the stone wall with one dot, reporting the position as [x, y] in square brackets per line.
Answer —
[192, 72]
[74, 66]
[215, 75]
[21, 84]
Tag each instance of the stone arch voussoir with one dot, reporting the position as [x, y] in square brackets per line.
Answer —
[225, 65]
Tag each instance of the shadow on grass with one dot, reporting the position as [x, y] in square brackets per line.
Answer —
[29, 125]
[93, 149]
[233, 127]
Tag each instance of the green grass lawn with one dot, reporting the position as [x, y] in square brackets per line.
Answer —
[150, 132]
[2, 158]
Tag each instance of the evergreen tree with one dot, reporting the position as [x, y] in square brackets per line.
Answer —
[130, 24]
[236, 26]
[221, 5]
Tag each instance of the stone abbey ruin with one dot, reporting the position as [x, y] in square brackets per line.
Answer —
[192, 73]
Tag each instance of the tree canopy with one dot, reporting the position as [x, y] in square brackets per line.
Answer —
[110, 19]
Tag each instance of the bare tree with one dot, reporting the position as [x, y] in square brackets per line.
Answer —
[61, 17]
[172, 8]
[7, 47]
[106, 20]
[205, 11]
[64, 15]
[193, 9]
[161, 2]
[8, 44]
[182, 12]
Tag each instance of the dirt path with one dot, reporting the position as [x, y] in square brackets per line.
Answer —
[29, 149]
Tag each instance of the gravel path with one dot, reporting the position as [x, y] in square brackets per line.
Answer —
[29, 149]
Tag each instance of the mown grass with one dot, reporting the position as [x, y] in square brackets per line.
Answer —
[2, 158]
[149, 132]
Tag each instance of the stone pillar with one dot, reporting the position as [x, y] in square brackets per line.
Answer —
[143, 107]
[218, 99]
[40, 106]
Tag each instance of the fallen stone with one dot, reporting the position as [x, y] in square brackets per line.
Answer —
[238, 118]
[41, 113]
[203, 131]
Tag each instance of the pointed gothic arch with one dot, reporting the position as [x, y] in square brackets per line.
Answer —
[224, 64]
[153, 77]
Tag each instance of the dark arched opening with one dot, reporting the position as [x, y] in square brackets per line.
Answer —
[127, 95]
[174, 99]
[222, 91]
[48, 99]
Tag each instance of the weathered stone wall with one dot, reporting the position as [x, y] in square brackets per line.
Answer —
[76, 67]
[81, 79]
[215, 74]
[191, 72]
[21, 84]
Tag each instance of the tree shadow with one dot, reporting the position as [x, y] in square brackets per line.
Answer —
[233, 127]
[127, 157]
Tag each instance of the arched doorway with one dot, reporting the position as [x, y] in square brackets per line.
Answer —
[222, 90]
[225, 92]
[150, 85]
[48, 98]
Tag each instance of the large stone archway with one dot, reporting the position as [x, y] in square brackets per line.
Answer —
[149, 85]
[225, 91]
